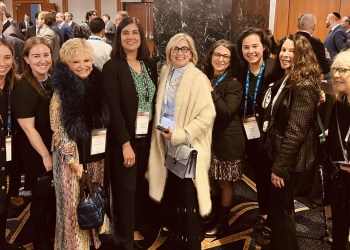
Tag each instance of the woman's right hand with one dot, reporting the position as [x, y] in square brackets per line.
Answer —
[128, 154]
[47, 161]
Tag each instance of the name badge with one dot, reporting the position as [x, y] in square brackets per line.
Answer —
[98, 141]
[251, 128]
[142, 121]
[8, 145]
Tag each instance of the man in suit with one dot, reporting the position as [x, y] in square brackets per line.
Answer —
[110, 28]
[306, 27]
[65, 28]
[68, 18]
[23, 26]
[345, 22]
[336, 38]
[4, 245]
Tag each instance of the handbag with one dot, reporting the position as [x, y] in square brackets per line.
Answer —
[182, 161]
[92, 204]
[45, 184]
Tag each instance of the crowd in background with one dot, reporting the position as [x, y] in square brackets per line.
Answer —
[255, 104]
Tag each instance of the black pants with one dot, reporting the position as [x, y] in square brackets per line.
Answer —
[261, 165]
[123, 183]
[180, 214]
[3, 218]
[43, 216]
[341, 214]
[283, 229]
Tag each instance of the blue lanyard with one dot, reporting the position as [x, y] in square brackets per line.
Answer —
[9, 125]
[256, 88]
[95, 38]
[222, 77]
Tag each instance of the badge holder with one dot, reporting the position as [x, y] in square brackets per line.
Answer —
[142, 122]
[98, 141]
[251, 128]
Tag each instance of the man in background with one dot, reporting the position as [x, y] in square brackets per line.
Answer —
[65, 28]
[336, 37]
[345, 22]
[23, 26]
[110, 28]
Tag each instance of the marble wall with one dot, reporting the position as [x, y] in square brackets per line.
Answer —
[205, 20]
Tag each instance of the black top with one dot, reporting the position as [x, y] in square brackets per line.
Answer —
[121, 95]
[228, 136]
[28, 103]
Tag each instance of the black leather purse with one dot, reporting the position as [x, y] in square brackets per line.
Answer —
[45, 184]
[92, 204]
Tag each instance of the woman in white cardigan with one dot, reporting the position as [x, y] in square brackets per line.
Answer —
[183, 103]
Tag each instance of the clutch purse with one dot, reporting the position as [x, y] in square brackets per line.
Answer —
[182, 161]
[92, 203]
[45, 184]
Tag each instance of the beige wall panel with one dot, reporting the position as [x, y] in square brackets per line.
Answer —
[345, 8]
[281, 19]
[9, 6]
[109, 7]
[79, 8]
[320, 8]
[58, 4]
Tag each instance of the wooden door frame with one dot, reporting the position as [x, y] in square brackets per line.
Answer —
[15, 2]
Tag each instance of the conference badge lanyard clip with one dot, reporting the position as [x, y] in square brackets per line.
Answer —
[98, 141]
[250, 123]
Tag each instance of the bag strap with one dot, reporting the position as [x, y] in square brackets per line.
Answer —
[320, 124]
[85, 182]
[188, 138]
[345, 153]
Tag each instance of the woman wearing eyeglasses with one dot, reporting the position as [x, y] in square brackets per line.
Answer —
[129, 80]
[338, 150]
[228, 142]
[183, 105]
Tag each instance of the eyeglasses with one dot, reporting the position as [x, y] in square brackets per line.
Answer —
[183, 49]
[341, 71]
[225, 57]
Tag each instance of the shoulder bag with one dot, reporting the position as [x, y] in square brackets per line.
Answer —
[182, 160]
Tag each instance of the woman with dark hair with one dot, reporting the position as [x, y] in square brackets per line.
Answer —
[31, 99]
[7, 80]
[228, 144]
[338, 150]
[129, 80]
[257, 72]
[290, 133]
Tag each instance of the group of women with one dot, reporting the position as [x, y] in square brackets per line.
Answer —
[271, 117]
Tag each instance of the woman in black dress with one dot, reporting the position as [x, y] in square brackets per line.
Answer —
[228, 144]
[7, 78]
[31, 108]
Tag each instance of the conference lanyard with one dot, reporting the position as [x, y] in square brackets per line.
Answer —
[256, 88]
[222, 77]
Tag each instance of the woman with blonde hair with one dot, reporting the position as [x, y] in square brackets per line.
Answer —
[338, 150]
[183, 106]
[77, 108]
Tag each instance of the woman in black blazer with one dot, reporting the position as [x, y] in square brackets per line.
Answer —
[129, 81]
[228, 144]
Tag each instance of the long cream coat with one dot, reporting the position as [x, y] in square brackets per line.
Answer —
[195, 112]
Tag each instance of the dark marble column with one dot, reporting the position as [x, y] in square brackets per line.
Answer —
[205, 20]
[249, 13]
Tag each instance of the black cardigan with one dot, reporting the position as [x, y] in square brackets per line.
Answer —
[228, 137]
[121, 95]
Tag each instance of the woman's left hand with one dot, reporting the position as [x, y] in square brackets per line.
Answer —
[322, 98]
[167, 135]
[277, 181]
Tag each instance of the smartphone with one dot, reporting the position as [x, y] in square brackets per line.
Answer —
[341, 163]
[165, 130]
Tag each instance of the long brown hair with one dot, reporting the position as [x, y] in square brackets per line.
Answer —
[27, 70]
[305, 67]
[11, 75]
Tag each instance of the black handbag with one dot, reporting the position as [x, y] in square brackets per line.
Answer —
[93, 203]
[45, 184]
[182, 160]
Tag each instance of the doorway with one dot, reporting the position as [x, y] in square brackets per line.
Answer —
[20, 7]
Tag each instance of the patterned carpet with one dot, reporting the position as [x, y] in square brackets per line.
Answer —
[240, 235]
